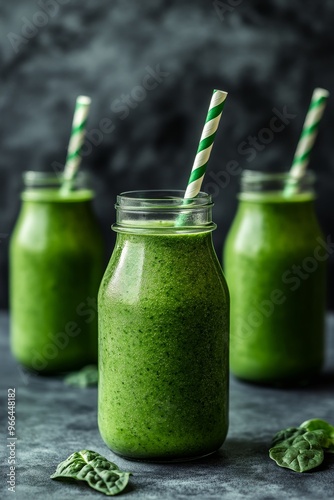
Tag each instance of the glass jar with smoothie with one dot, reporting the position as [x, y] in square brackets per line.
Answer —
[275, 263]
[163, 331]
[56, 264]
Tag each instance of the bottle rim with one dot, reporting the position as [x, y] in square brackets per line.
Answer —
[163, 212]
[258, 176]
[162, 199]
[44, 186]
[40, 178]
[258, 185]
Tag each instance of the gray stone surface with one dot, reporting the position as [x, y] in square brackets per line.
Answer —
[54, 420]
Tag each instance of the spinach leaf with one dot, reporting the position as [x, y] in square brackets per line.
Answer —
[318, 437]
[88, 375]
[317, 424]
[302, 448]
[290, 432]
[97, 471]
[299, 453]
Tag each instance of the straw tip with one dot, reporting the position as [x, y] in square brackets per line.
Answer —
[220, 92]
[319, 92]
[84, 99]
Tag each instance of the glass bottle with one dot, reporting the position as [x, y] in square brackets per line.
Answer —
[163, 331]
[275, 262]
[56, 263]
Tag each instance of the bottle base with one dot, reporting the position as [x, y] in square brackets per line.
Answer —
[281, 382]
[52, 371]
[160, 460]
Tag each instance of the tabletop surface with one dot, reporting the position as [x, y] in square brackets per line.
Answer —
[53, 420]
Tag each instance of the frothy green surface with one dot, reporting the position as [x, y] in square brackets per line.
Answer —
[276, 197]
[56, 195]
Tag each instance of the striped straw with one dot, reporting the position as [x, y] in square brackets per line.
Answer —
[73, 159]
[205, 144]
[307, 138]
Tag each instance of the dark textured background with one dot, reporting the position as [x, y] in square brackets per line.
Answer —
[267, 54]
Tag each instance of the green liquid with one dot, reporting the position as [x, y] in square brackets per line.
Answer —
[277, 287]
[163, 348]
[56, 262]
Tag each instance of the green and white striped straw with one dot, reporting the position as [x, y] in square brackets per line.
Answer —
[307, 139]
[73, 158]
[205, 144]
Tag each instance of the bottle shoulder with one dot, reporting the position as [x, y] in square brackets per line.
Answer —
[149, 266]
[270, 229]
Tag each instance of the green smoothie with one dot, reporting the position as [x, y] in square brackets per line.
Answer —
[56, 262]
[275, 267]
[163, 346]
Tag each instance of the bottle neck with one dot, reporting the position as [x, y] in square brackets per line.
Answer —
[163, 212]
[47, 186]
[276, 187]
